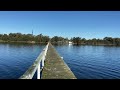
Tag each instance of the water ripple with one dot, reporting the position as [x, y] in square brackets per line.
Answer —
[92, 62]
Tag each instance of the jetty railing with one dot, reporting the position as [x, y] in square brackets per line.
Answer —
[37, 66]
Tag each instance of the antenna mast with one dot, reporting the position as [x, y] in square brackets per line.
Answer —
[32, 32]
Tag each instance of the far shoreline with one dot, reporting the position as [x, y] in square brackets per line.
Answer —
[33, 42]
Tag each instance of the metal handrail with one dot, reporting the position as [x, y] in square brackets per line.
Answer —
[37, 66]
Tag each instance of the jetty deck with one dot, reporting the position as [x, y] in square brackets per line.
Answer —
[49, 65]
[55, 67]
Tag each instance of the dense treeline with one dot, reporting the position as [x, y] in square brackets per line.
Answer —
[18, 37]
[29, 38]
[59, 40]
[94, 41]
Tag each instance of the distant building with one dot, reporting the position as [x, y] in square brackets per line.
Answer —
[70, 43]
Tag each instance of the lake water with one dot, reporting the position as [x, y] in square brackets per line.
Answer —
[15, 59]
[86, 62]
[92, 62]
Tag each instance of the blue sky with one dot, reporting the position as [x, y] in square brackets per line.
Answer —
[85, 24]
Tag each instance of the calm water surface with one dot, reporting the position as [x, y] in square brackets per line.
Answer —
[15, 59]
[86, 62]
[92, 62]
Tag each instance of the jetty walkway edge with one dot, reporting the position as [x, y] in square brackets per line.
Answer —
[49, 65]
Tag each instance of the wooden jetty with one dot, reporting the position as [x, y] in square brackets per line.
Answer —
[49, 65]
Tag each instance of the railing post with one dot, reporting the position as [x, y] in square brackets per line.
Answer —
[38, 72]
[43, 62]
[37, 66]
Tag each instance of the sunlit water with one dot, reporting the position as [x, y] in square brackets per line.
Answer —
[15, 59]
[86, 62]
[92, 62]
